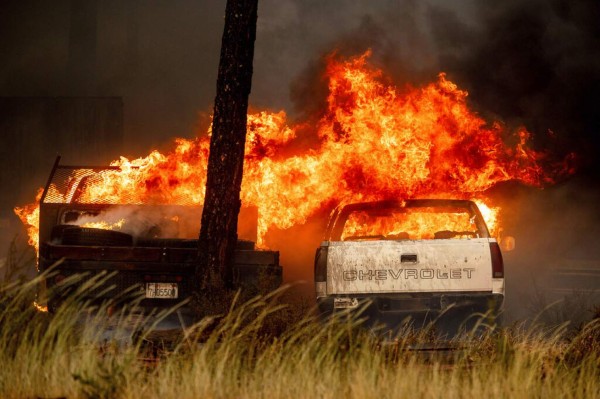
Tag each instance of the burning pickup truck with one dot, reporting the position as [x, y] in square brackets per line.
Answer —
[415, 257]
[145, 249]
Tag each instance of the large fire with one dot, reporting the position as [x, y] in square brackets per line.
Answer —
[413, 223]
[375, 141]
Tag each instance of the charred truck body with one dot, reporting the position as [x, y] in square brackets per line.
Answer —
[132, 249]
[419, 258]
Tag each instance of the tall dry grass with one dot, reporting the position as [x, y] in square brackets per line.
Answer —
[261, 348]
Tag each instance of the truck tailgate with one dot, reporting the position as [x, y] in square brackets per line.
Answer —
[385, 266]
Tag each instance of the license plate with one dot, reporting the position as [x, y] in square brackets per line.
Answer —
[162, 290]
[345, 303]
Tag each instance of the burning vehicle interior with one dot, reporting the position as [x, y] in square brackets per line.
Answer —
[148, 249]
[411, 220]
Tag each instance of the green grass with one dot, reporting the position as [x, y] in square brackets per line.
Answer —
[270, 347]
[262, 348]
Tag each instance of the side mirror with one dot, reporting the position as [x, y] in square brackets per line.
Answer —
[507, 243]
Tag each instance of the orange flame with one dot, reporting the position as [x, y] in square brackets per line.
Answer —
[40, 308]
[420, 224]
[375, 141]
[105, 225]
[30, 216]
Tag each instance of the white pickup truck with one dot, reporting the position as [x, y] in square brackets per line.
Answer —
[425, 257]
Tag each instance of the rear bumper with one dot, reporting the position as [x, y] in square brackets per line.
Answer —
[121, 273]
[383, 306]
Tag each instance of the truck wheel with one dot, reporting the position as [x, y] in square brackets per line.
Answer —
[95, 237]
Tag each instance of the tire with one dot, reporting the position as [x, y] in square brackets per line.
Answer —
[86, 236]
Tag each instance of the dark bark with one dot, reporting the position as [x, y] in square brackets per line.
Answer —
[218, 234]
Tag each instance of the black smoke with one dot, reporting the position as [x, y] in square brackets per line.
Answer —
[535, 63]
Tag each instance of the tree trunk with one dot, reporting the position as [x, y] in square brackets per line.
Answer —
[218, 232]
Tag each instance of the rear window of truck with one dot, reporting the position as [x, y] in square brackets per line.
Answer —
[410, 223]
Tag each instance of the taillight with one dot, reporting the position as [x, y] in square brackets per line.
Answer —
[497, 262]
[321, 264]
